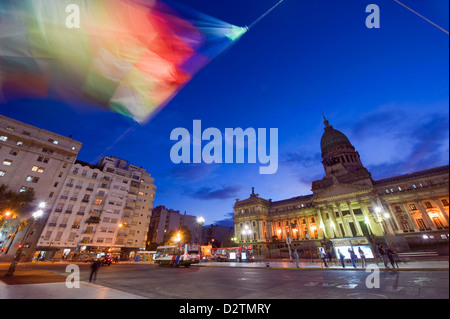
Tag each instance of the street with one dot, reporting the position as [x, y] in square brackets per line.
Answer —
[149, 281]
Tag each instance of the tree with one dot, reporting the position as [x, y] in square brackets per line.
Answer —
[18, 205]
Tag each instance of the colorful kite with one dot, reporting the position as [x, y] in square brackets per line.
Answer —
[132, 56]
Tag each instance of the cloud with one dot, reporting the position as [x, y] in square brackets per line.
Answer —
[209, 193]
[397, 142]
[228, 221]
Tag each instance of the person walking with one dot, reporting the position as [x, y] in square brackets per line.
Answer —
[352, 257]
[390, 255]
[363, 257]
[341, 257]
[94, 269]
[324, 257]
[296, 258]
[330, 257]
[382, 255]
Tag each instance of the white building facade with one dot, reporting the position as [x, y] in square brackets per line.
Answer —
[102, 208]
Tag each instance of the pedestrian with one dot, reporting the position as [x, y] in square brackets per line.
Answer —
[382, 255]
[94, 269]
[363, 258]
[324, 257]
[330, 257]
[352, 257]
[296, 258]
[390, 255]
[341, 257]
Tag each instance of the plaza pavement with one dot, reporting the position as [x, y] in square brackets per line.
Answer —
[53, 286]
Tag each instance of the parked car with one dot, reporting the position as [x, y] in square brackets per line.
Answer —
[107, 261]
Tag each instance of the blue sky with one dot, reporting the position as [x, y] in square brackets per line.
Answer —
[386, 89]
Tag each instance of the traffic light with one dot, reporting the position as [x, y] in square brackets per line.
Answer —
[20, 246]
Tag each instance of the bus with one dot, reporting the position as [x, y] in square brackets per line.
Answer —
[237, 254]
[177, 255]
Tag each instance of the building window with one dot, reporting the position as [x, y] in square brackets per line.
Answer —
[420, 223]
[398, 209]
[43, 159]
[2, 173]
[428, 205]
[13, 152]
[32, 179]
[412, 207]
[7, 162]
[444, 202]
[38, 169]
[3, 138]
[23, 189]
[19, 143]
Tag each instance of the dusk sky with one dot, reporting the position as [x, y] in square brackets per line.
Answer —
[386, 89]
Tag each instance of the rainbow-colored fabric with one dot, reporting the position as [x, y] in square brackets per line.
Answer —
[132, 56]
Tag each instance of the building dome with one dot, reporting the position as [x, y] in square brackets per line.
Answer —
[332, 138]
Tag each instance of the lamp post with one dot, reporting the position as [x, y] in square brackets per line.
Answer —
[200, 222]
[381, 218]
[18, 255]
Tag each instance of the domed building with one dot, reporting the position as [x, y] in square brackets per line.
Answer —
[348, 209]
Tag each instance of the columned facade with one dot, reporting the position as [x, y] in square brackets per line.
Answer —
[348, 207]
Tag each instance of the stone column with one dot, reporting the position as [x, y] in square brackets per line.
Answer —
[357, 225]
[336, 229]
[441, 208]
[392, 214]
[411, 220]
[308, 231]
[389, 229]
[347, 229]
[372, 226]
[321, 222]
[425, 216]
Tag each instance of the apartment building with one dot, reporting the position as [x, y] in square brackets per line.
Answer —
[101, 208]
[34, 159]
[164, 220]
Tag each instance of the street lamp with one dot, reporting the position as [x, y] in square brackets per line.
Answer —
[200, 222]
[177, 238]
[35, 215]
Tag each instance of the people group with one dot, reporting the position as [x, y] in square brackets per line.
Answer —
[386, 255]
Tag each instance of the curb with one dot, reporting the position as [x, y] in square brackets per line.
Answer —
[329, 269]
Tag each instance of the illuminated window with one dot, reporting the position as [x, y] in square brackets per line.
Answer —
[23, 189]
[2, 173]
[3, 138]
[32, 179]
[412, 207]
[7, 162]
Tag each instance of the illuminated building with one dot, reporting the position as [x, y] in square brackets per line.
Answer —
[164, 220]
[348, 208]
[102, 208]
[35, 159]
[85, 203]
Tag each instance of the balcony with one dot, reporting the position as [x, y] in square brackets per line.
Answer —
[93, 220]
